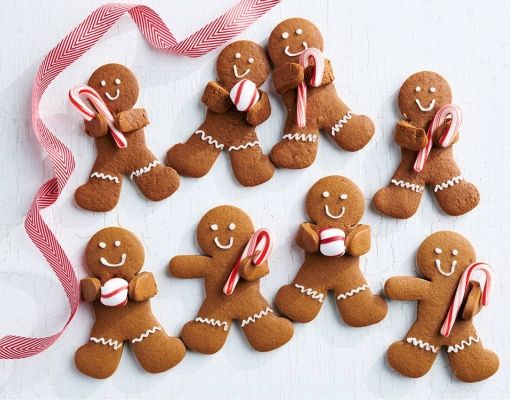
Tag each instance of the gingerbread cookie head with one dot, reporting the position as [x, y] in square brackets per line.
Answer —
[114, 253]
[242, 60]
[335, 201]
[224, 230]
[445, 255]
[422, 95]
[116, 85]
[290, 38]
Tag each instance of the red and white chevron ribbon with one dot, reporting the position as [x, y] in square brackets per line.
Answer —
[72, 47]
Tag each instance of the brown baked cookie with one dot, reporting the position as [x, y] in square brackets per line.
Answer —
[235, 106]
[324, 111]
[118, 87]
[222, 234]
[442, 258]
[420, 97]
[333, 242]
[121, 300]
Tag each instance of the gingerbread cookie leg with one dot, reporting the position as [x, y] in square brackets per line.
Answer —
[264, 330]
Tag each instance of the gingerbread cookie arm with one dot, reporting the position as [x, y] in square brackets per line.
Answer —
[287, 77]
[90, 289]
[473, 304]
[327, 77]
[410, 137]
[97, 126]
[142, 287]
[216, 98]
[190, 266]
[260, 111]
[406, 288]
[308, 238]
[358, 240]
[131, 120]
[251, 272]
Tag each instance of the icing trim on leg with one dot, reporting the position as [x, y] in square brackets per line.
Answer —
[101, 175]
[140, 171]
[352, 292]
[314, 294]
[213, 322]
[301, 137]
[244, 146]
[341, 122]
[110, 342]
[408, 185]
[257, 316]
[422, 345]
[209, 139]
[449, 183]
[146, 334]
[462, 345]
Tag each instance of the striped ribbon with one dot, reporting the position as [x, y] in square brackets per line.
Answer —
[72, 47]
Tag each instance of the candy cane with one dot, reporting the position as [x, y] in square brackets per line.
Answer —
[262, 241]
[442, 114]
[461, 291]
[318, 73]
[88, 114]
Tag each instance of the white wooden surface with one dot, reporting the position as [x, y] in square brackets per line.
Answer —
[373, 46]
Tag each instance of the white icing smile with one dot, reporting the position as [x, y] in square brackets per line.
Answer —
[425, 109]
[331, 215]
[110, 97]
[224, 246]
[287, 51]
[105, 262]
[441, 271]
[238, 75]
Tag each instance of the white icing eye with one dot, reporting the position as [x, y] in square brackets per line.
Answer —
[299, 31]
[238, 55]
[214, 227]
[285, 35]
[117, 81]
[103, 83]
[232, 226]
[437, 250]
[102, 245]
[117, 243]
[455, 252]
[325, 194]
[417, 89]
[343, 196]
[250, 60]
[432, 90]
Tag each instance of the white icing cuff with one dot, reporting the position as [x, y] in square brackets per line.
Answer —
[341, 122]
[352, 292]
[110, 342]
[422, 345]
[461, 346]
[448, 183]
[100, 175]
[209, 139]
[310, 292]
[213, 322]
[146, 334]
[140, 171]
[244, 146]
[301, 137]
[255, 317]
[408, 185]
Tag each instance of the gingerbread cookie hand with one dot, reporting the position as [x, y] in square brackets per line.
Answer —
[260, 111]
[249, 271]
[410, 137]
[216, 98]
[473, 303]
[308, 238]
[327, 76]
[131, 120]
[97, 126]
[439, 134]
[90, 289]
[406, 288]
[358, 240]
[288, 76]
[142, 287]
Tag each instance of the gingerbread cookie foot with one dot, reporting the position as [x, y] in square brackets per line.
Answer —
[353, 132]
[251, 167]
[456, 196]
[359, 307]
[413, 358]
[99, 358]
[99, 194]
[400, 200]
[470, 362]
[205, 335]
[155, 181]
[194, 158]
[295, 154]
[265, 331]
[299, 303]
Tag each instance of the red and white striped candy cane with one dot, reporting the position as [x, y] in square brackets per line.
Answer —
[449, 110]
[262, 241]
[88, 114]
[318, 73]
[461, 291]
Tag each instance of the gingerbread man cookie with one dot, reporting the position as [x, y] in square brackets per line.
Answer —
[222, 234]
[118, 88]
[121, 300]
[422, 96]
[235, 106]
[289, 41]
[333, 243]
[445, 259]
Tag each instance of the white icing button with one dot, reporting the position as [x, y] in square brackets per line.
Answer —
[299, 31]
[117, 81]
[285, 35]
[102, 245]
[232, 226]
[238, 55]
[432, 90]
[325, 194]
[417, 89]
[214, 227]
[343, 196]
[455, 252]
[251, 60]
[117, 243]
[103, 83]
[438, 250]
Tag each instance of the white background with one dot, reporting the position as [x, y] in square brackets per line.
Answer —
[373, 47]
